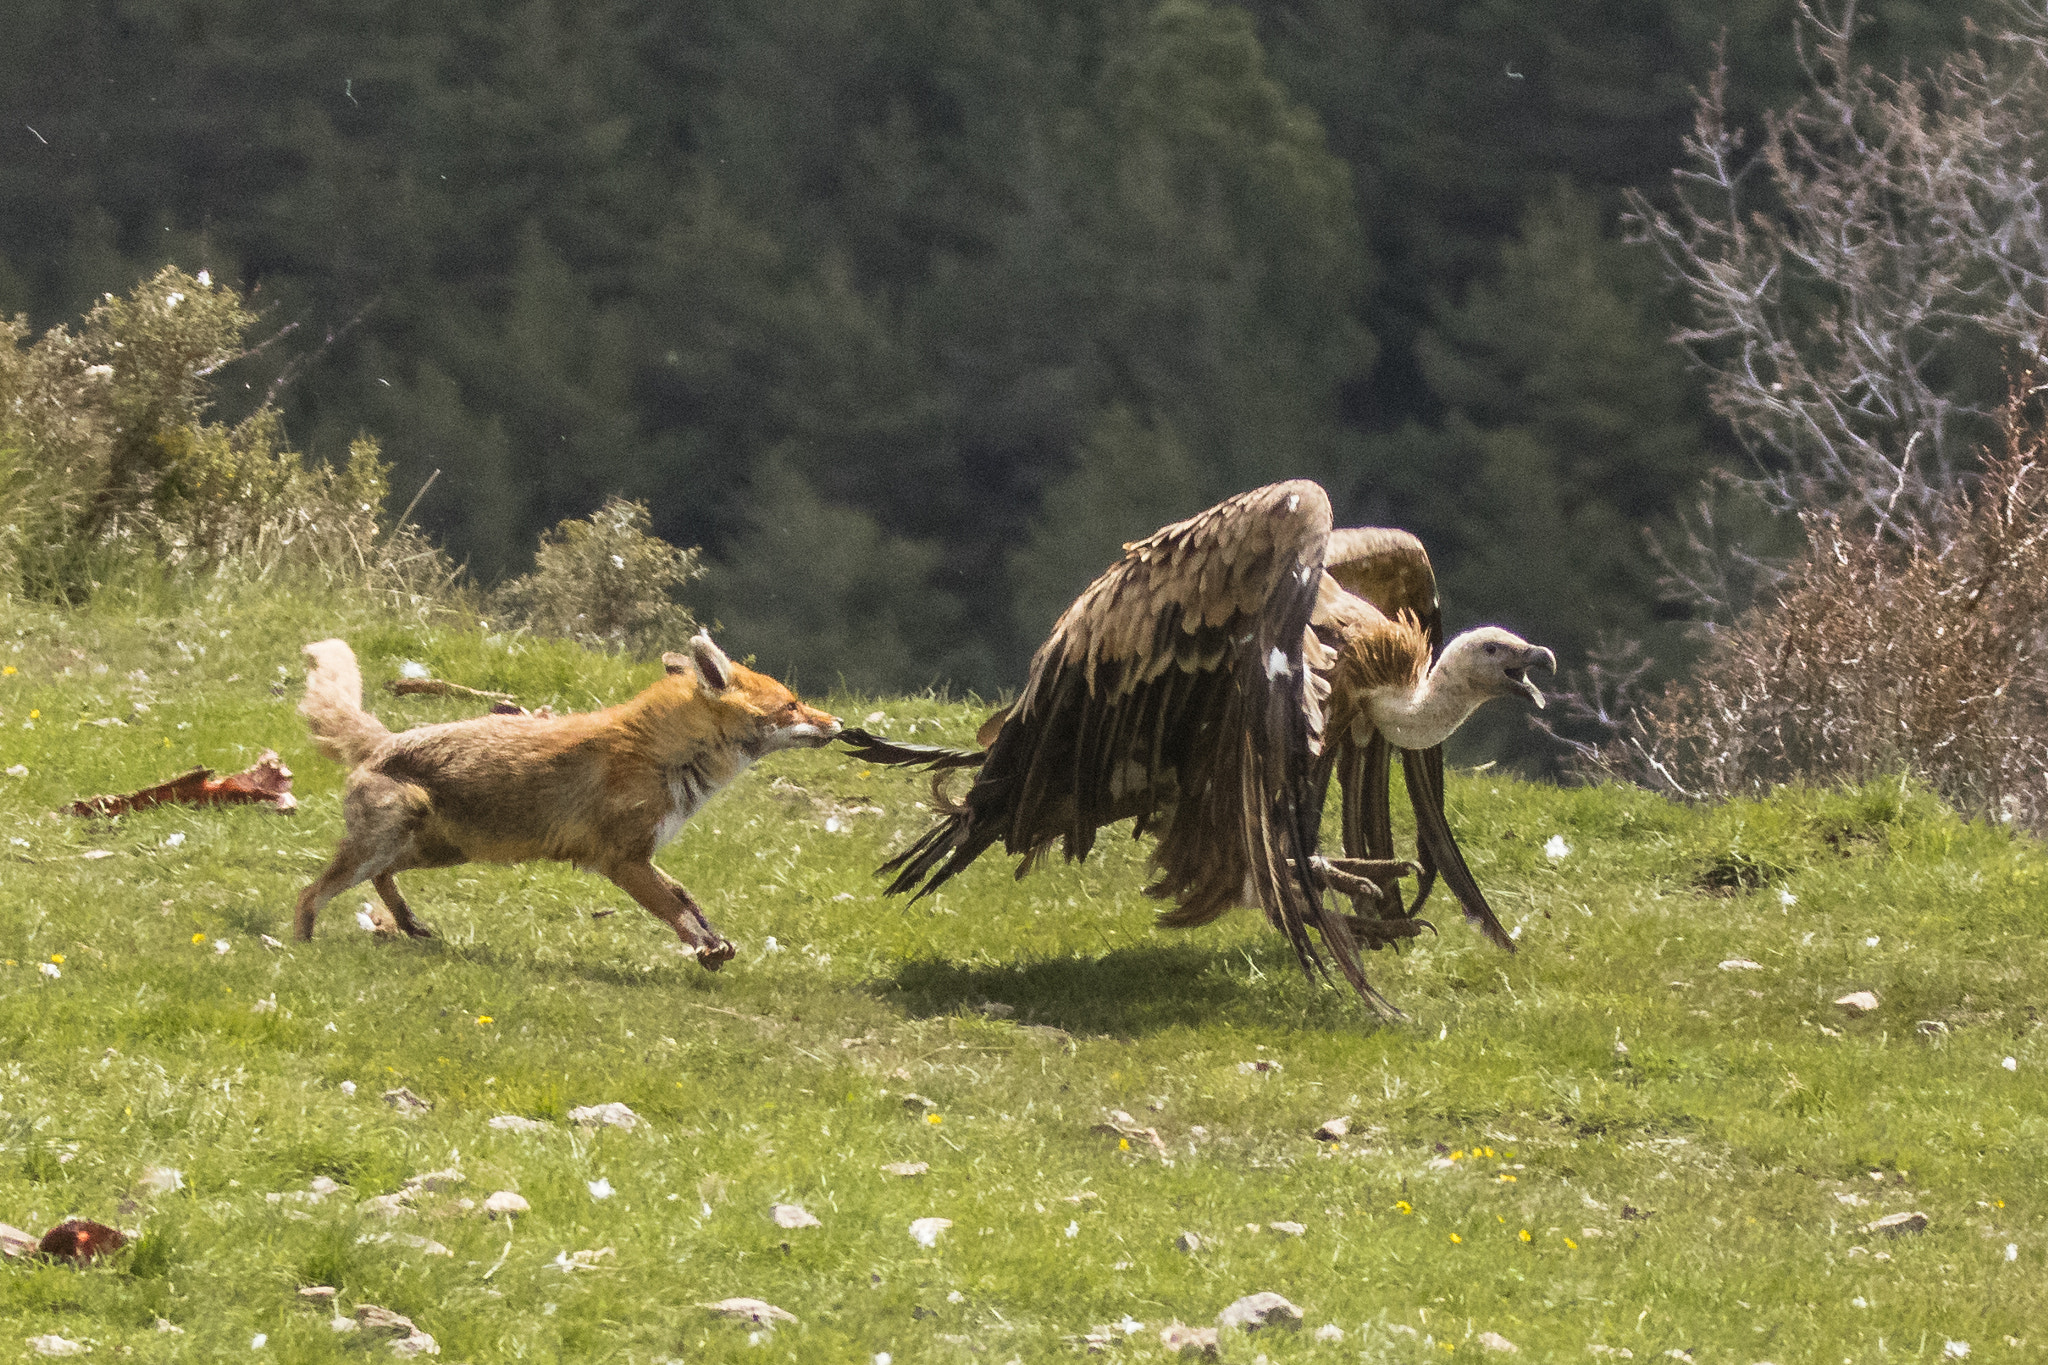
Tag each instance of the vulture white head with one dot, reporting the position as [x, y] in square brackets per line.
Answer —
[1474, 668]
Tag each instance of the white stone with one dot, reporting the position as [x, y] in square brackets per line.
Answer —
[1265, 1309]
[1857, 1002]
[517, 1123]
[1334, 1129]
[614, 1114]
[925, 1231]
[794, 1216]
[752, 1310]
[1494, 1341]
[505, 1203]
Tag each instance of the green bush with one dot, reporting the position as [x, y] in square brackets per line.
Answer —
[108, 461]
[606, 581]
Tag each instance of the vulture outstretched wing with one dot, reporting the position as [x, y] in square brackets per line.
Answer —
[1175, 690]
[1390, 569]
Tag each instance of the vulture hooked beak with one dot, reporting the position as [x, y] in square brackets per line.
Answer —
[1519, 674]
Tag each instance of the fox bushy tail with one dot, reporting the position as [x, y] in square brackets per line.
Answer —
[333, 707]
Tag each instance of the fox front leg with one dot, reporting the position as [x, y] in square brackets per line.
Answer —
[714, 950]
[663, 898]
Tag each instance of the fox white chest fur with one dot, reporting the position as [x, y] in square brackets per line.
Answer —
[688, 789]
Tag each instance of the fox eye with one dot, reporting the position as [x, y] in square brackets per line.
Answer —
[1493, 649]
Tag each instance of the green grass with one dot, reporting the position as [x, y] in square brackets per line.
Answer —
[1508, 1170]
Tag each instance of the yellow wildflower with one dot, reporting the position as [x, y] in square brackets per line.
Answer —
[1404, 1207]
[57, 958]
[934, 1119]
[1123, 1144]
[1525, 1234]
[199, 938]
[485, 1019]
[1570, 1243]
[7, 671]
[1456, 1238]
[34, 714]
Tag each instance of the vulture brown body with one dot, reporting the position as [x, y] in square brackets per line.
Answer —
[1186, 688]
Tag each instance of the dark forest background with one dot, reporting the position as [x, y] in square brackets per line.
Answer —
[910, 311]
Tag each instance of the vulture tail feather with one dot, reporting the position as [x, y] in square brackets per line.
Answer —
[1438, 847]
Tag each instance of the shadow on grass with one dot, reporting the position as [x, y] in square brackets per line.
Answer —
[1138, 990]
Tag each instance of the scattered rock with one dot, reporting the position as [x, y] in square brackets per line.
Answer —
[81, 1239]
[1254, 1311]
[1334, 1130]
[1898, 1224]
[14, 1242]
[385, 1205]
[1179, 1337]
[794, 1216]
[1261, 1065]
[1187, 1241]
[517, 1123]
[1494, 1341]
[1857, 1002]
[505, 1203]
[926, 1230]
[318, 1293]
[54, 1345]
[418, 1344]
[1329, 1331]
[1289, 1229]
[614, 1114]
[581, 1260]
[917, 1103]
[433, 1182]
[1741, 964]
[752, 1310]
[407, 1103]
[383, 1321]
[995, 1009]
[906, 1168]
[1931, 1028]
[168, 1327]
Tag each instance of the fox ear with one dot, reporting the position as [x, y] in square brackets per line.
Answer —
[712, 665]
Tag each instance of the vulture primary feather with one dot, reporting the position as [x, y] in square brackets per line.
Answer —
[1208, 685]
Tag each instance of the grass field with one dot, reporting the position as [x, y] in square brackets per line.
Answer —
[1612, 1141]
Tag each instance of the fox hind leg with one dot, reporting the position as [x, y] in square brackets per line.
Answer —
[349, 867]
[386, 887]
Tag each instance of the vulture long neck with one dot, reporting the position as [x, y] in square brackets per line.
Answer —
[1423, 715]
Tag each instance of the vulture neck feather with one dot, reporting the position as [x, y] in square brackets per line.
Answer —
[1422, 715]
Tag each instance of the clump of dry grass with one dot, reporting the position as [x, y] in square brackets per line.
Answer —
[606, 581]
[1920, 652]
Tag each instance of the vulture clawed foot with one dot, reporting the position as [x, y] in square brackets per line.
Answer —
[1373, 933]
[1371, 878]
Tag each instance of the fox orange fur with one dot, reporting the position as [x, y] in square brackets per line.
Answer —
[602, 790]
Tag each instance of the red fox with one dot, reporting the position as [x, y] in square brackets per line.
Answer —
[602, 790]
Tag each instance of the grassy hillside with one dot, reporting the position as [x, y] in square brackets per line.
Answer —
[1510, 1168]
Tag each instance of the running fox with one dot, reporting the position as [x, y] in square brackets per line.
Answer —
[602, 790]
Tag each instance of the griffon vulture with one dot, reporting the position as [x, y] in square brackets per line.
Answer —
[1208, 684]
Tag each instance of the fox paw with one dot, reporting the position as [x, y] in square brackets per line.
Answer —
[716, 955]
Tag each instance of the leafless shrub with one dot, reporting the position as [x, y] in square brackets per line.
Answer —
[1895, 648]
[1860, 279]
[607, 581]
